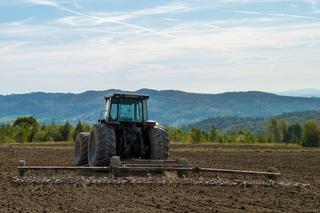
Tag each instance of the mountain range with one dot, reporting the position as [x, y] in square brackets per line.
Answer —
[170, 107]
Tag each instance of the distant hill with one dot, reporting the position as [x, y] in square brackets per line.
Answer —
[301, 93]
[168, 106]
[258, 125]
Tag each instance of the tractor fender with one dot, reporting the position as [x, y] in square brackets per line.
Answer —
[151, 123]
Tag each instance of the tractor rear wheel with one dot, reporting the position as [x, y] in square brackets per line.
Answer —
[102, 145]
[81, 148]
[159, 143]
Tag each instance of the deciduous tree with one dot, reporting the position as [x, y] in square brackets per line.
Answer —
[311, 134]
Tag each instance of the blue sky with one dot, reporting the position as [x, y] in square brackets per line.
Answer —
[199, 46]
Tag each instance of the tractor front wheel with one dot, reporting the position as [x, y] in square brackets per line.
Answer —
[81, 148]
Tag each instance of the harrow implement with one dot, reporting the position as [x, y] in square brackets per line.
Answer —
[138, 167]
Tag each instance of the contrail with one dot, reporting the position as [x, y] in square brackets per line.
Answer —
[58, 6]
[251, 54]
[115, 22]
[270, 14]
[13, 46]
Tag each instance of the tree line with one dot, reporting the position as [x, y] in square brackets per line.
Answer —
[277, 131]
[28, 129]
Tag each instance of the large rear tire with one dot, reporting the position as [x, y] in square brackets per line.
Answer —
[81, 148]
[102, 145]
[159, 143]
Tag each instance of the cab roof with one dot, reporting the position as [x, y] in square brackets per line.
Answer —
[127, 95]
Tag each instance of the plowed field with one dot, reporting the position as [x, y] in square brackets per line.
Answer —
[297, 165]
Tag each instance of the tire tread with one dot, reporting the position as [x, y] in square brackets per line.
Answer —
[82, 139]
[159, 141]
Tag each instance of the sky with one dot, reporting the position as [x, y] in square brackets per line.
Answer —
[206, 46]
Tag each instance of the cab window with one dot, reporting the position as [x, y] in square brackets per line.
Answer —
[127, 109]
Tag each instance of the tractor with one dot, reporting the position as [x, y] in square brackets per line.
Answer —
[125, 142]
[123, 130]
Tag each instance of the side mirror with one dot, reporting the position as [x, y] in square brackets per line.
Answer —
[102, 115]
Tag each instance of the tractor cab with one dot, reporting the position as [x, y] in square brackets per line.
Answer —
[125, 108]
[127, 115]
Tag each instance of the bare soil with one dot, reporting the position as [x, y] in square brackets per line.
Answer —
[297, 166]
